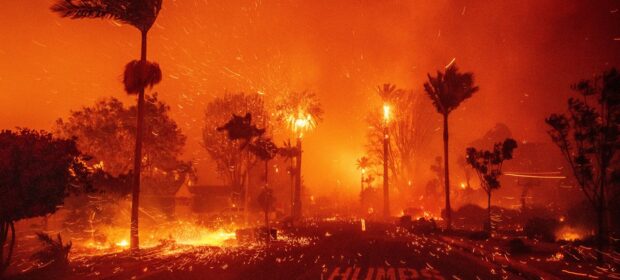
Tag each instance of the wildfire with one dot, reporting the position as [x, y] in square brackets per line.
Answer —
[301, 122]
[123, 243]
[569, 234]
[115, 239]
[386, 112]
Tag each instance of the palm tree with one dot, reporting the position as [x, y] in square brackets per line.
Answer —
[300, 111]
[388, 94]
[362, 164]
[289, 152]
[140, 14]
[447, 91]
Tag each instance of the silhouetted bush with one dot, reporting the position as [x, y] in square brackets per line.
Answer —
[405, 221]
[54, 252]
[424, 225]
[469, 215]
[541, 228]
[479, 235]
[517, 246]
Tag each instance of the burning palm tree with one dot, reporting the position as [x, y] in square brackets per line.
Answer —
[140, 14]
[300, 111]
[388, 94]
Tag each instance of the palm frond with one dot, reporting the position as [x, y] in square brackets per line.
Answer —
[138, 13]
[449, 89]
[45, 238]
[86, 9]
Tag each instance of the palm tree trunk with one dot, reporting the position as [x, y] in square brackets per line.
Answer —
[489, 224]
[386, 181]
[135, 196]
[362, 191]
[297, 201]
[246, 197]
[267, 210]
[292, 183]
[447, 172]
[601, 234]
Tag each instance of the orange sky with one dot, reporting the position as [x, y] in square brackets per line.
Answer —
[524, 53]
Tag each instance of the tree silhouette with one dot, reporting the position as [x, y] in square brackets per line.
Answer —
[589, 137]
[266, 200]
[288, 151]
[140, 14]
[447, 91]
[488, 167]
[387, 92]
[265, 150]
[37, 172]
[241, 129]
[106, 130]
[410, 129]
[232, 161]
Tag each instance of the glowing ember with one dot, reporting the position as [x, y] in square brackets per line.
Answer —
[123, 243]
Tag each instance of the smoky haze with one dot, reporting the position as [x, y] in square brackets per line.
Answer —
[524, 55]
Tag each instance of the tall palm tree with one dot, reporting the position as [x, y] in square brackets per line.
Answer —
[447, 90]
[300, 111]
[388, 94]
[140, 14]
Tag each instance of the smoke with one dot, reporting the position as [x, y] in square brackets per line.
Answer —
[524, 55]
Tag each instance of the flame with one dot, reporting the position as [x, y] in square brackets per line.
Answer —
[115, 238]
[386, 112]
[123, 243]
[569, 234]
[99, 165]
[301, 122]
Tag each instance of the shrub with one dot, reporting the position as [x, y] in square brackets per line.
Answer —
[541, 228]
[54, 252]
[517, 246]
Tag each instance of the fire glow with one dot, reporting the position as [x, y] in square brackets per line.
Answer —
[115, 239]
[567, 233]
